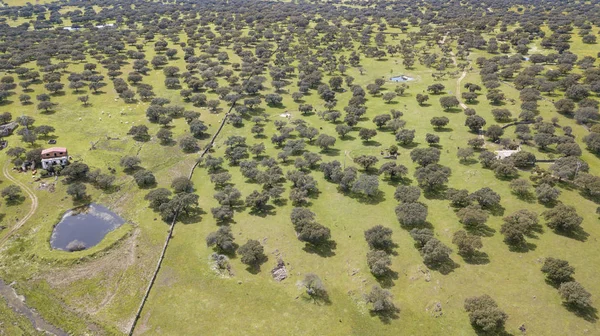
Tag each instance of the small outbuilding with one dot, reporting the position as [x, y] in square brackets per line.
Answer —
[54, 156]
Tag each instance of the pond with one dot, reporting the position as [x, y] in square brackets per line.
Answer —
[84, 227]
[401, 78]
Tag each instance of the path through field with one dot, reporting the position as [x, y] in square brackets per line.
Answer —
[462, 76]
[17, 304]
[30, 194]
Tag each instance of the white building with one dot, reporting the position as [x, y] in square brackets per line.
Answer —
[54, 156]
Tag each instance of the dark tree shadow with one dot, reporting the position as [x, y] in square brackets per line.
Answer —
[425, 225]
[324, 250]
[496, 210]
[321, 299]
[331, 152]
[371, 143]
[526, 197]
[280, 202]
[589, 314]
[372, 200]
[169, 143]
[255, 268]
[468, 162]
[387, 280]
[83, 200]
[595, 199]
[522, 248]
[480, 230]
[501, 332]
[267, 210]
[386, 316]
[192, 216]
[444, 267]
[477, 258]
[578, 234]
[556, 284]
[19, 199]
[435, 194]
[410, 145]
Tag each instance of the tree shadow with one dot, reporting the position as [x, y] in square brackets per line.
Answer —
[496, 210]
[386, 316]
[453, 110]
[522, 248]
[387, 280]
[424, 225]
[501, 332]
[590, 314]
[410, 145]
[267, 210]
[481, 230]
[192, 216]
[468, 162]
[19, 199]
[444, 267]
[255, 268]
[321, 299]
[556, 284]
[477, 258]
[330, 152]
[324, 250]
[169, 143]
[595, 199]
[578, 234]
[371, 200]
[148, 186]
[81, 201]
[371, 143]
[435, 194]
[526, 197]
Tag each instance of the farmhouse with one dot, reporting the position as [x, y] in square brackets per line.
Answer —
[54, 156]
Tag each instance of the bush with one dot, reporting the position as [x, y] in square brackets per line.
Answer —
[575, 295]
[144, 178]
[484, 313]
[379, 237]
[557, 270]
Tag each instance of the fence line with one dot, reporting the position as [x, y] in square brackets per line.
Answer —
[172, 226]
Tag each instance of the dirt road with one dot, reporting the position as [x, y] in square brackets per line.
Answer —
[32, 209]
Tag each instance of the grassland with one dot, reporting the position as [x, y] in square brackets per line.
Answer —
[224, 306]
[99, 289]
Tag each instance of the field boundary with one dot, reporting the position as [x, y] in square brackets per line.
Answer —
[172, 226]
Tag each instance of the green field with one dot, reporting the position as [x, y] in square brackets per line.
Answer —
[97, 291]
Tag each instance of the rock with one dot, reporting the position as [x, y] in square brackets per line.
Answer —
[7, 129]
[435, 309]
[279, 273]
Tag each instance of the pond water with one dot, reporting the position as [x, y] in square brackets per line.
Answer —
[84, 227]
[401, 78]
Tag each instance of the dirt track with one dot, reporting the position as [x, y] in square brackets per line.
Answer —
[30, 194]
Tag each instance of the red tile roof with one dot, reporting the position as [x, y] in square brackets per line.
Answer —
[54, 149]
